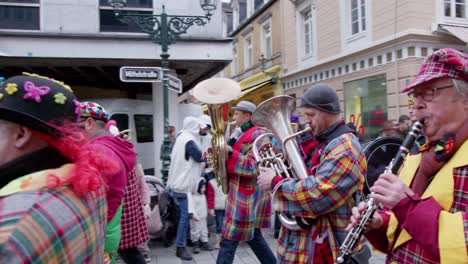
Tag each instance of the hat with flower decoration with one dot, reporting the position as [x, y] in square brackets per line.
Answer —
[38, 102]
[94, 110]
[446, 62]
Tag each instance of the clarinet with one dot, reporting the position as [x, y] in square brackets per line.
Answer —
[354, 236]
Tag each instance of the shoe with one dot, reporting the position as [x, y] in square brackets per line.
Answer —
[205, 246]
[182, 253]
[189, 243]
[196, 247]
[218, 241]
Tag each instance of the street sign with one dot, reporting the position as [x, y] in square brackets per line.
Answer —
[175, 84]
[140, 74]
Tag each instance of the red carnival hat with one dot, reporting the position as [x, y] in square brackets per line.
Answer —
[446, 62]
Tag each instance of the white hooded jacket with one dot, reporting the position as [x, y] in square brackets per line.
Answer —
[184, 174]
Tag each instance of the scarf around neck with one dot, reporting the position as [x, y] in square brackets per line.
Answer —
[434, 155]
[238, 132]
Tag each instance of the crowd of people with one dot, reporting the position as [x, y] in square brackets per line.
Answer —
[72, 190]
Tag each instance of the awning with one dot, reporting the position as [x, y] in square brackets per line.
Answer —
[459, 32]
[253, 88]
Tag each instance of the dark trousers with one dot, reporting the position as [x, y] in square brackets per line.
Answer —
[219, 216]
[258, 245]
[132, 256]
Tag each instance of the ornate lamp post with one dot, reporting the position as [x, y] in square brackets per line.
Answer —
[164, 30]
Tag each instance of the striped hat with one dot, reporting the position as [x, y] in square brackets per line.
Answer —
[94, 110]
[446, 62]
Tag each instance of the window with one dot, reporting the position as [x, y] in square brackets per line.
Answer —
[121, 120]
[266, 40]
[21, 14]
[242, 11]
[144, 128]
[108, 22]
[455, 8]
[248, 52]
[235, 61]
[307, 32]
[366, 104]
[229, 24]
[258, 4]
[358, 16]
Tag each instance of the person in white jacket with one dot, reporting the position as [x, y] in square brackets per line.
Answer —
[184, 173]
[214, 194]
[198, 223]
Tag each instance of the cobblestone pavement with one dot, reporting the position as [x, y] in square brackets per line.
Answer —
[244, 255]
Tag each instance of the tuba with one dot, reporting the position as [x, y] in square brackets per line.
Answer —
[274, 114]
[216, 94]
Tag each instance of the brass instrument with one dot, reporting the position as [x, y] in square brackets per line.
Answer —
[354, 236]
[216, 93]
[274, 114]
[126, 134]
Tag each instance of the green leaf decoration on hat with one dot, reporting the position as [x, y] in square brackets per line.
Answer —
[1, 96]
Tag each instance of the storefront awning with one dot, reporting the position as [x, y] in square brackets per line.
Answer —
[253, 88]
[459, 32]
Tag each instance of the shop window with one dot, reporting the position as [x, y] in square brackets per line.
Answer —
[144, 128]
[366, 104]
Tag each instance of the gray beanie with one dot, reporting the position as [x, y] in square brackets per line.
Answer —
[322, 97]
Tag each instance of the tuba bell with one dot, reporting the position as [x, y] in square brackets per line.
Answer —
[274, 114]
[216, 93]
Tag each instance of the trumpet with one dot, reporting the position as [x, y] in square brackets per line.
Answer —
[354, 236]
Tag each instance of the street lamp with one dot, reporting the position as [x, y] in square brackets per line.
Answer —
[164, 30]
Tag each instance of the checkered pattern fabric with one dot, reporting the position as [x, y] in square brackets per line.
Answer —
[247, 206]
[31, 232]
[94, 110]
[442, 63]
[133, 225]
[327, 196]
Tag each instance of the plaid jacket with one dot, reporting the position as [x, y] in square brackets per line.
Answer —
[133, 224]
[52, 226]
[327, 196]
[247, 206]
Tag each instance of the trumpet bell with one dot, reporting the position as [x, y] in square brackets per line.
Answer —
[216, 93]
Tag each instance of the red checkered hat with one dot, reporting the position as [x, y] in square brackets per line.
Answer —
[446, 62]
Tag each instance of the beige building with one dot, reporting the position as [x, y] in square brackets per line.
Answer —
[255, 29]
[367, 50]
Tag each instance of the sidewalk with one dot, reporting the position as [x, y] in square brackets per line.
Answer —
[244, 255]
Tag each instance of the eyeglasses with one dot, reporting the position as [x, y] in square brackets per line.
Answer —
[427, 94]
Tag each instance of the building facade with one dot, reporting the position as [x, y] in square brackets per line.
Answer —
[84, 45]
[255, 29]
[367, 50]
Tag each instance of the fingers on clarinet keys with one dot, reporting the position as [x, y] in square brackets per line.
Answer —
[356, 215]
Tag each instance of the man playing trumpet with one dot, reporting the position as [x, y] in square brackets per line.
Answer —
[427, 221]
[248, 208]
[336, 168]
